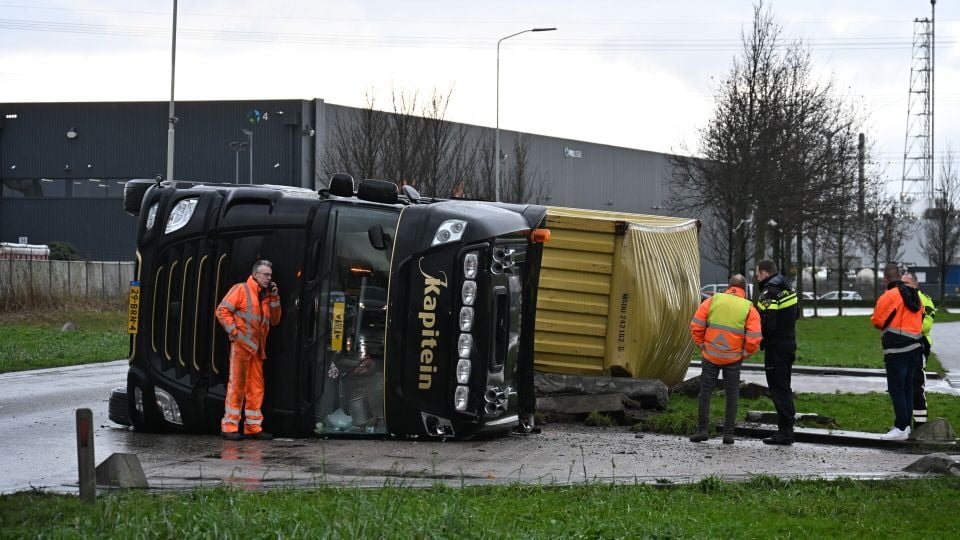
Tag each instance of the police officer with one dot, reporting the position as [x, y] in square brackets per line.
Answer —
[778, 317]
[920, 375]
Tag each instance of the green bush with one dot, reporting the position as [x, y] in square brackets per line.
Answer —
[63, 251]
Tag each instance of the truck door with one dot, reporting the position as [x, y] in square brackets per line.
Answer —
[351, 307]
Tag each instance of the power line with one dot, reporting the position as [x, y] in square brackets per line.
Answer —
[356, 40]
[420, 20]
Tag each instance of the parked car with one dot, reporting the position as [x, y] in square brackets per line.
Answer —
[709, 290]
[847, 295]
[807, 295]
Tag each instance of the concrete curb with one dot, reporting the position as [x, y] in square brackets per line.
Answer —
[841, 438]
[822, 370]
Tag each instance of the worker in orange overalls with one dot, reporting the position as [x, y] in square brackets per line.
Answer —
[247, 312]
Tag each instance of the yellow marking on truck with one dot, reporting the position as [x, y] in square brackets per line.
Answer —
[336, 333]
[133, 308]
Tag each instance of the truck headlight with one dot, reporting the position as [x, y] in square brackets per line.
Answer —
[465, 345]
[463, 371]
[181, 214]
[468, 294]
[450, 230]
[460, 396]
[466, 318]
[471, 263]
[168, 406]
[152, 215]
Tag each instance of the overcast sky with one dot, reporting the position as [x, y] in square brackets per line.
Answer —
[638, 74]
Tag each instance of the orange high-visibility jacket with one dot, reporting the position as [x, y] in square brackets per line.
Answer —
[899, 316]
[246, 319]
[726, 327]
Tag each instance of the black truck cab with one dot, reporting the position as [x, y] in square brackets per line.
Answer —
[401, 315]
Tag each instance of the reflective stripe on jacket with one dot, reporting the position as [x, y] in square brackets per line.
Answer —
[726, 327]
[778, 310]
[247, 319]
[929, 313]
[899, 317]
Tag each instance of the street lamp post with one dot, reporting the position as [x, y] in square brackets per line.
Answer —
[249, 134]
[237, 147]
[496, 150]
[171, 117]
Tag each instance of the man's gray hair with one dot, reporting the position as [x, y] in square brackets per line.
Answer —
[258, 264]
[737, 280]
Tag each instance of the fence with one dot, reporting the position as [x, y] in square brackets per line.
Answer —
[53, 283]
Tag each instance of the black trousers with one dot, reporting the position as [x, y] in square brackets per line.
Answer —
[778, 363]
[709, 374]
[919, 392]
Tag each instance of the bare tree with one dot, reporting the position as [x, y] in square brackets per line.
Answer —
[435, 147]
[839, 197]
[883, 217]
[759, 168]
[403, 137]
[357, 144]
[521, 182]
[465, 160]
[941, 222]
[483, 185]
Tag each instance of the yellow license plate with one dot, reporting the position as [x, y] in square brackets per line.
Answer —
[336, 332]
[133, 307]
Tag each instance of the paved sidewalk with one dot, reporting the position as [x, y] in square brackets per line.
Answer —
[830, 384]
[946, 344]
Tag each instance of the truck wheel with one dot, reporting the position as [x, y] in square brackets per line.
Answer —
[142, 408]
[118, 411]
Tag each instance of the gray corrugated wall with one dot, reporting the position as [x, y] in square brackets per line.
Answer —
[98, 228]
[129, 140]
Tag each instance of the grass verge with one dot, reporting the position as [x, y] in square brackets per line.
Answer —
[764, 507]
[847, 342]
[872, 413]
[34, 340]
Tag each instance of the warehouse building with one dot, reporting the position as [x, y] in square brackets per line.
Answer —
[63, 165]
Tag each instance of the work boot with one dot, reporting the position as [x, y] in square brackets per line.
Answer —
[231, 435]
[783, 437]
[700, 436]
[261, 436]
[728, 436]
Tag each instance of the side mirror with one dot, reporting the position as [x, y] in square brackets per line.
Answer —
[411, 192]
[378, 238]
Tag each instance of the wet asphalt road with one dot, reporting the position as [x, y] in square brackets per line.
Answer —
[37, 409]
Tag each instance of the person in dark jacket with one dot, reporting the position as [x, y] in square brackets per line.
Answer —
[920, 374]
[899, 317]
[778, 309]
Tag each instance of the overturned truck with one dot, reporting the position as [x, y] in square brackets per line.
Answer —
[402, 315]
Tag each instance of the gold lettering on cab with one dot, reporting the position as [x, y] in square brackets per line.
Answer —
[429, 333]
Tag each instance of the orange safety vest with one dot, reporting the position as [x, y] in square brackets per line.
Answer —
[726, 327]
[901, 327]
[246, 320]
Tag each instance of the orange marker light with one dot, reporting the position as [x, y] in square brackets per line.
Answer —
[540, 236]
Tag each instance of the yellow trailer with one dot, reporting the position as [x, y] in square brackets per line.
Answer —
[616, 294]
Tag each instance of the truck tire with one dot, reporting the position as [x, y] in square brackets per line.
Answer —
[117, 411]
[133, 192]
[149, 420]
